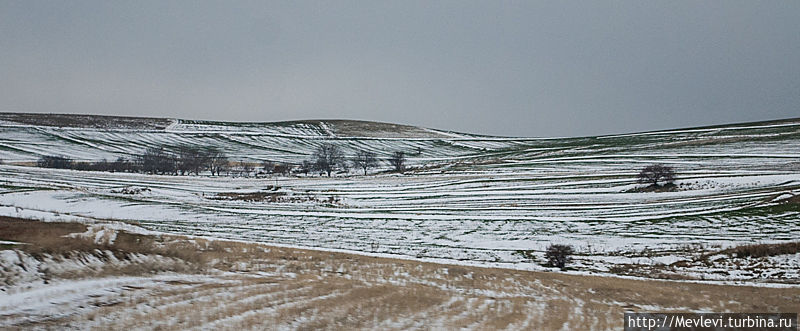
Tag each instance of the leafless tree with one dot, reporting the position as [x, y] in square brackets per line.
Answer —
[282, 168]
[184, 159]
[245, 168]
[121, 164]
[398, 161]
[217, 161]
[190, 159]
[653, 174]
[306, 166]
[157, 161]
[268, 166]
[364, 160]
[327, 158]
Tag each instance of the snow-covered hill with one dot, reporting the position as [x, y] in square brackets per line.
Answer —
[478, 200]
[26, 137]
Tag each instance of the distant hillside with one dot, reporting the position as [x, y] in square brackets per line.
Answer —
[342, 128]
[86, 121]
[26, 137]
[468, 198]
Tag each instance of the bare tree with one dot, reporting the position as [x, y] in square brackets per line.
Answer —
[364, 160]
[224, 165]
[245, 168]
[203, 160]
[268, 166]
[190, 159]
[653, 174]
[398, 161]
[306, 166]
[120, 165]
[156, 161]
[327, 158]
[217, 161]
[282, 168]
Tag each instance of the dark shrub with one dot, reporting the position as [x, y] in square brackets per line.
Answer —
[558, 255]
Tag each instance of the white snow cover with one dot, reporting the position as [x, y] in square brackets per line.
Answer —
[479, 201]
[64, 298]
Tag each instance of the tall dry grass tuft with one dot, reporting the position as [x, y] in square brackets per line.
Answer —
[763, 250]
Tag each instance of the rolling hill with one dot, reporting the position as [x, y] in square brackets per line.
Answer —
[471, 199]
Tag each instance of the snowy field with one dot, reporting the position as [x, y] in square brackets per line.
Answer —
[112, 279]
[471, 200]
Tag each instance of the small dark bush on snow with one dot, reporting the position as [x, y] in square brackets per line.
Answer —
[558, 255]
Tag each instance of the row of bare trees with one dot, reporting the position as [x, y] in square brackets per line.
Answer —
[329, 158]
[186, 160]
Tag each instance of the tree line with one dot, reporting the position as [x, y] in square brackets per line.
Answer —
[155, 160]
[186, 160]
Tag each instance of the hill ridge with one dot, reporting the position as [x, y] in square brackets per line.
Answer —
[345, 128]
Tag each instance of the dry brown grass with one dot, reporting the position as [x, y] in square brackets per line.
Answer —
[274, 287]
[43, 237]
[761, 250]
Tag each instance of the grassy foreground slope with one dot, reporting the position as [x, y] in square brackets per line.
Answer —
[97, 276]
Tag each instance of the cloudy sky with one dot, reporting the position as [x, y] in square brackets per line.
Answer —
[523, 68]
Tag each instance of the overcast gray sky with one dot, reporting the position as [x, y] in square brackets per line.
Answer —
[527, 68]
